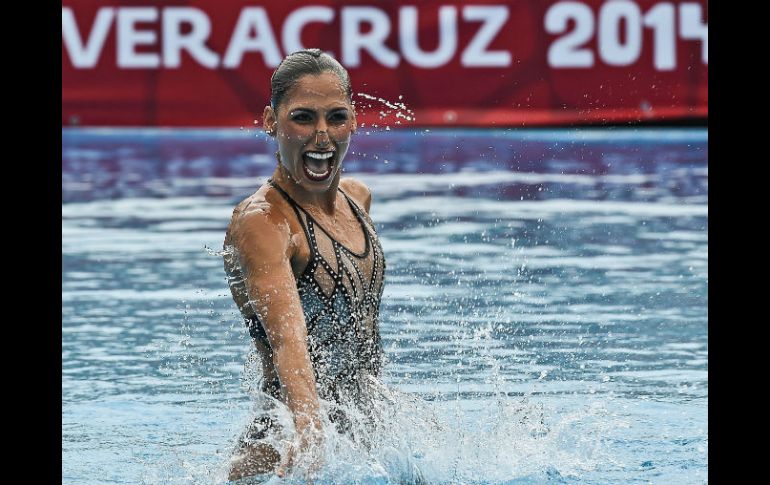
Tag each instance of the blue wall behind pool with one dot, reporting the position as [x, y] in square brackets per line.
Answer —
[117, 163]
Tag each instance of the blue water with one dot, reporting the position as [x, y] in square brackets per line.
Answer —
[544, 314]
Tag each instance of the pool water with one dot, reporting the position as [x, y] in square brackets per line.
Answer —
[544, 314]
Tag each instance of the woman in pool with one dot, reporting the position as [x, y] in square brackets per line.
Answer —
[305, 265]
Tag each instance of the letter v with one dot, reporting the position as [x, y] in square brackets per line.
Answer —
[85, 56]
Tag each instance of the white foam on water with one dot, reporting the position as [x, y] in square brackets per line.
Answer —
[405, 438]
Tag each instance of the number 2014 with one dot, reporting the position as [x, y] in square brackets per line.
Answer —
[566, 51]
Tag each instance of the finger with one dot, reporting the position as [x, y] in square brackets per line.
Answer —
[286, 461]
[314, 467]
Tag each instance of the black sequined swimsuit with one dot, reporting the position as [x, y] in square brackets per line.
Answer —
[340, 292]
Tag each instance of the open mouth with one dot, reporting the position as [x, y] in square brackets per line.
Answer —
[318, 165]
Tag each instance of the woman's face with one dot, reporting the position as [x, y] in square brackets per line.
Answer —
[313, 125]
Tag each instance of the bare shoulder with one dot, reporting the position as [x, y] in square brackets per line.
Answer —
[259, 223]
[358, 191]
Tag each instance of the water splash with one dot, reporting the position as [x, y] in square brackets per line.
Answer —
[227, 251]
[403, 438]
[388, 113]
[398, 110]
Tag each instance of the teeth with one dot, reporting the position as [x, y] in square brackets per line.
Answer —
[318, 165]
[319, 156]
[318, 174]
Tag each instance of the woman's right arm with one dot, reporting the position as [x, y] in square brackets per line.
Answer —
[262, 239]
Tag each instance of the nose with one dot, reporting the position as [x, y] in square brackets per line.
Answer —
[321, 138]
[321, 133]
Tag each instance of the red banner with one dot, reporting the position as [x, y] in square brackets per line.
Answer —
[470, 63]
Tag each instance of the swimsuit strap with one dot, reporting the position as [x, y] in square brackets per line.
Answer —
[356, 211]
[295, 206]
[353, 205]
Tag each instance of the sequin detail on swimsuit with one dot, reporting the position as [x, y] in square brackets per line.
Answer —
[340, 292]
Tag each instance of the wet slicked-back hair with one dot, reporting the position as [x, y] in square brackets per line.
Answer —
[300, 63]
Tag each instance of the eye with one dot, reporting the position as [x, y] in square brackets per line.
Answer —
[301, 117]
[338, 117]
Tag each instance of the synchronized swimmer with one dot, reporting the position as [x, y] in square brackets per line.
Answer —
[305, 265]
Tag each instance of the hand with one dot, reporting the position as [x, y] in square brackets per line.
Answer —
[307, 446]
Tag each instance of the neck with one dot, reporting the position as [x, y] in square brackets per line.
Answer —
[324, 201]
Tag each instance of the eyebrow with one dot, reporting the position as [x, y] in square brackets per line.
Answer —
[309, 110]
